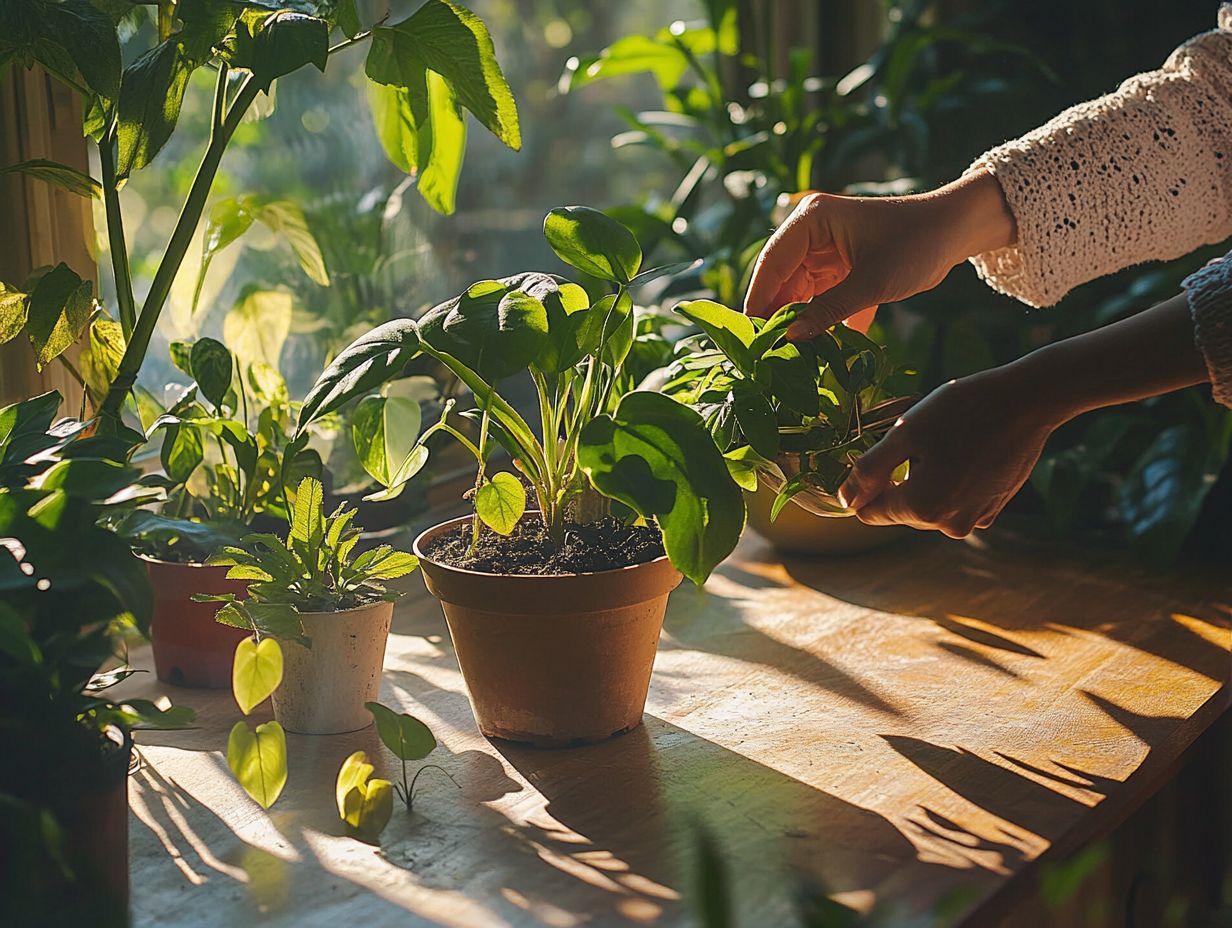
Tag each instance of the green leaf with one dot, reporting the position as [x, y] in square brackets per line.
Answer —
[366, 363]
[608, 328]
[791, 378]
[101, 356]
[731, 332]
[151, 94]
[449, 39]
[365, 803]
[384, 431]
[59, 311]
[181, 356]
[259, 760]
[406, 736]
[423, 133]
[258, 324]
[348, 19]
[633, 54]
[500, 502]
[271, 45]
[389, 565]
[91, 478]
[212, 366]
[494, 333]
[742, 464]
[61, 175]
[1163, 493]
[756, 418]
[286, 220]
[255, 672]
[566, 307]
[182, 452]
[593, 243]
[13, 312]
[68, 38]
[656, 456]
[307, 523]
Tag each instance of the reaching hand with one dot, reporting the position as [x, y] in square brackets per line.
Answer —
[971, 444]
[846, 254]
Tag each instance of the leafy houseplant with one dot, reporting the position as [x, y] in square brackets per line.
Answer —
[422, 72]
[573, 660]
[319, 617]
[68, 589]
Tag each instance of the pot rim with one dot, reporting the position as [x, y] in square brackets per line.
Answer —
[151, 559]
[417, 549]
[344, 612]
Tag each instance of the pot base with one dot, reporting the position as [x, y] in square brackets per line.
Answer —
[543, 742]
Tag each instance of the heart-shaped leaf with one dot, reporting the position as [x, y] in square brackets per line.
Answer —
[259, 760]
[365, 803]
[211, 365]
[255, 672]
[405, 735]
[500, 502]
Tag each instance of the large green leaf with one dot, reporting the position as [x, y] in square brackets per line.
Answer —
[273, 44]
[500, 502]
[151, 94]
[255, 672]
[59, 311]
[593, 243]
[363, 365]
[566, 314]
[449, 39]
[607, 330]
[756, 418]
[791, 378]
[257, 326]
[493, 331]
[384, 430]
[259, 760]
[61, 175]
[656, 456]
[182, 452]
[731, 331]
[212, 366]
[405, 735]
[423, 133]
[70, 38]
[101, 356]
[633, 54]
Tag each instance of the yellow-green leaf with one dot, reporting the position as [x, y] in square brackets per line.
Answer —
[365, 804]
[256, 672]
[258, 325]
[259, 760]
[500, 503]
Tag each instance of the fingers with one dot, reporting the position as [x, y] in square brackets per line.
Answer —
[849, 296]
[870, 476]
[780, 268]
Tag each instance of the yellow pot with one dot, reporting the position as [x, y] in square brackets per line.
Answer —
[797, 531]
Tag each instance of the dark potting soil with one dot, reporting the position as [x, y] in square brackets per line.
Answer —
[604, 545]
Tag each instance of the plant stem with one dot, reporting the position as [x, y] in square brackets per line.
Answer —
[177, 247]
[115, 235]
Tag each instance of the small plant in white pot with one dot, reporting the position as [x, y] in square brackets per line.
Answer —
[319, 615]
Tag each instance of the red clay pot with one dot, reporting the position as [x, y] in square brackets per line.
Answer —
[552, 661]
[190, 648]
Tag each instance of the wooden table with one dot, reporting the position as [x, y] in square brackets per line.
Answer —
[913, 729]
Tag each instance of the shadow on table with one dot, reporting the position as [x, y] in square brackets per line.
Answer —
[702, 621]
[1018, 586]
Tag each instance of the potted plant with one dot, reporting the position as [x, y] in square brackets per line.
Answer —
[555, 611]
[68, 589]
[314, 609]
[791, 418]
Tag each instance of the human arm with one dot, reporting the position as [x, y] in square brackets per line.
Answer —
[973, 442]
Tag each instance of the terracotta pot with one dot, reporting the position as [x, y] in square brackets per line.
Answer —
[799, 531]
[324, 687]
[93, 817]
[190, 648]
[552, 661]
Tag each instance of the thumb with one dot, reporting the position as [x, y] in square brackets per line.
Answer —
[871, 472]
[850, 295]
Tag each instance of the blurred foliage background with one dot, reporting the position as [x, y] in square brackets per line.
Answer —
[690, 134]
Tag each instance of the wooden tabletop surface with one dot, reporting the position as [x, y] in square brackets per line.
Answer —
[913, 729]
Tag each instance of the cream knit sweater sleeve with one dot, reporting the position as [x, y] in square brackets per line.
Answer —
[1144, 173]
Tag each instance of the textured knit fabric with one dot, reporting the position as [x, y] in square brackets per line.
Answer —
[1209, 292]
[1144, 173]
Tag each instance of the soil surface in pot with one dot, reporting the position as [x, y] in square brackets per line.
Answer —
[592, 546]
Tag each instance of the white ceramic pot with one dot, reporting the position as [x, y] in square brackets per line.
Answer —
[324, 687]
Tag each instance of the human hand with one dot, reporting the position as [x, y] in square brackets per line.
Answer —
[972, 444]
[842, 255]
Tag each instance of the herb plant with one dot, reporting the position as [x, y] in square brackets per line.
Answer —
[422, 72]
[312, 570]
[810, 408]
[640, 448]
